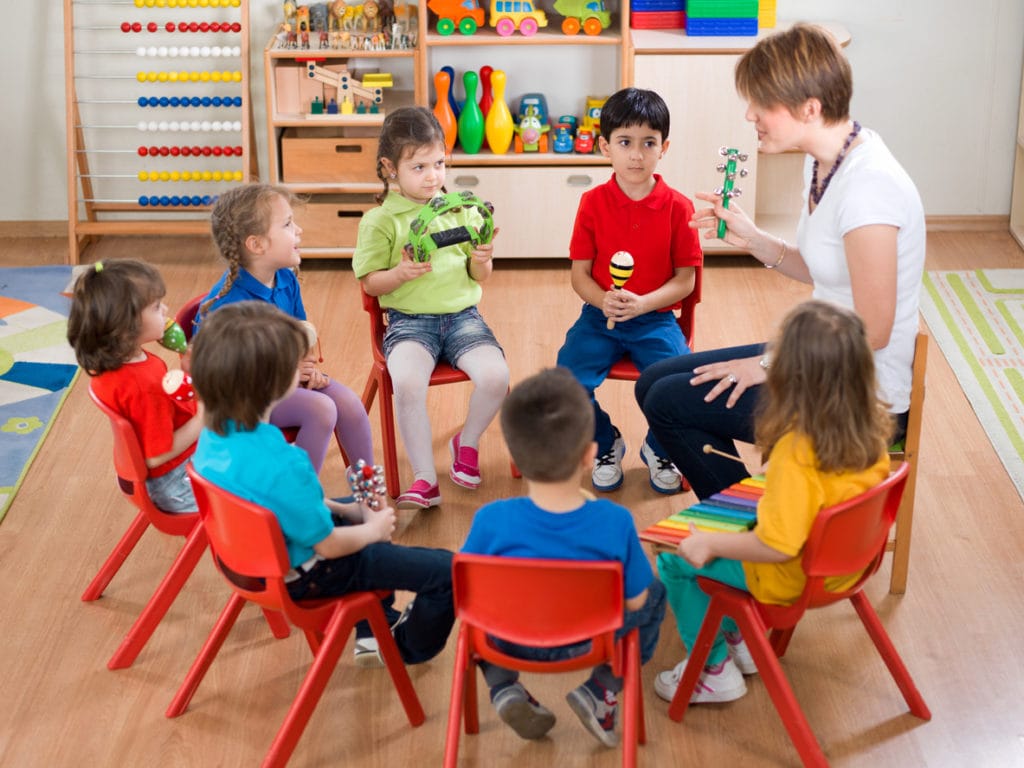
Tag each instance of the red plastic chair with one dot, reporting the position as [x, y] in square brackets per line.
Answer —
[556, 602]
[844, 539]
[380, 380]
[249, 551]
[130, 466]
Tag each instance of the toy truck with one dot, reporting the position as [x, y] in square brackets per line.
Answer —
[591, 15]
[509, 15]
[467, 15]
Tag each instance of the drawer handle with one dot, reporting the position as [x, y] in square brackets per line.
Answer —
[349, 214]
[467, 181]
[579, 180]
[348, 148]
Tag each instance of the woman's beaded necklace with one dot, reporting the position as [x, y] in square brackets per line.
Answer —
[818, 192]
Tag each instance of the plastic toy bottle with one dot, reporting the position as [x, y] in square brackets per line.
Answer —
[471, 119]
[486, 99]
[499, 118]
[443, 110]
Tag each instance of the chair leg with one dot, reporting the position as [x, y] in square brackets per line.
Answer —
[633, 731]
[116, 558]
[161, 600]
[892, 659]
[278, 623]
[386, 403]
[697, 658]
[463, 666]
[207, 653]
[393, 661]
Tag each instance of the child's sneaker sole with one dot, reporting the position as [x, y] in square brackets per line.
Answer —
[419, 498]
[582, 704]
[527, 718]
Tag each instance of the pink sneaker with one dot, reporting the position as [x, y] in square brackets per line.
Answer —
[421, 495]
[465, 469]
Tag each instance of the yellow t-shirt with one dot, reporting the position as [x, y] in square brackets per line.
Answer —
[795, 491]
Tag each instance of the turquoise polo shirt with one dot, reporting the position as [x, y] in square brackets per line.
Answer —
[261, 467]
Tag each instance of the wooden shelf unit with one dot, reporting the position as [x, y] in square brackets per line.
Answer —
[1017, 196]
[104, 127]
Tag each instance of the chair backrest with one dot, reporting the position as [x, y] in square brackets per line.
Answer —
[849, 537]
[377, 325]
[131, 470]
[538, 603]
[246, 541]
[187, 314]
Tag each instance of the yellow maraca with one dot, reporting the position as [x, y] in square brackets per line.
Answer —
[621, 269]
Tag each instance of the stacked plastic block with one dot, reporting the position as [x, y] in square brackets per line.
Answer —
[724, 18]
[657, 14]
[766, 14]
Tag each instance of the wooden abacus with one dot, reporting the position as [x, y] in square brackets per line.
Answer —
[142, 161]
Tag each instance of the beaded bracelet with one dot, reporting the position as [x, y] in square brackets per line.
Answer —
[782, 256]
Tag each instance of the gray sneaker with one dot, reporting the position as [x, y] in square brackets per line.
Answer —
[607, 475]
[367, 649]
[522, 713]
[598, 717]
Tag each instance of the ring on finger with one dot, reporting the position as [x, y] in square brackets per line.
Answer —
[731, 378]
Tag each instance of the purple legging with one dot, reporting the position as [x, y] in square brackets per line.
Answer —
[319, 412]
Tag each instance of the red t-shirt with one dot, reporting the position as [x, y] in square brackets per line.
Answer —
[136, 391]
[655, 230]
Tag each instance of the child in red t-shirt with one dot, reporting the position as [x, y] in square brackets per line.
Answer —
[637, 212]
[117, 306]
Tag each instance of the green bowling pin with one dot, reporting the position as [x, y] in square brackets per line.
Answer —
[471, 119]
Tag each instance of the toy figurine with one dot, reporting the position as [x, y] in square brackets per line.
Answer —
[621, 269]
[561, 140]
[592, 115]
[367, 483]
[584, 143]
[727, 191]
[531, 133]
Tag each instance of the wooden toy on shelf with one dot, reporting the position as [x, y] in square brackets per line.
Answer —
[465, 15]
[368, 91]
[728, 190]
[591, 15]
[509, 15]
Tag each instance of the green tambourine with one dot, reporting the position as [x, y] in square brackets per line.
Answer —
[423, 242]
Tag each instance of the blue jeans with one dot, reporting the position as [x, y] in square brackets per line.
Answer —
[647, 620]
[425, 571]
[683, 423]
[172, 492]
[447, 337]
[590, 350]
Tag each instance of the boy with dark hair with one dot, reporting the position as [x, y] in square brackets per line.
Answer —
[548, 422]
[637, 212]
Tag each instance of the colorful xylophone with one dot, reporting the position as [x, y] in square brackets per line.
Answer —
[734, 509]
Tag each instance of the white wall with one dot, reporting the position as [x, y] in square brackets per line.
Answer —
[940, 79]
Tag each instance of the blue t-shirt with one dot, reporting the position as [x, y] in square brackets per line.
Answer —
[285, 295]
[597, 530]
[261, 467]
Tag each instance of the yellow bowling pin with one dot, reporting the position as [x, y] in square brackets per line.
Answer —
[498, 125]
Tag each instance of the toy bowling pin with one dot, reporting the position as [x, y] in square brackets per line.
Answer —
[174, 337]
[486, 99]
[456, 106]
[443, 110]
[178, 384]
[499, 119]
[621, 269]
[471, 120]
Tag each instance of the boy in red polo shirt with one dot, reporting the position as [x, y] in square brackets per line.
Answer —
[637, 212]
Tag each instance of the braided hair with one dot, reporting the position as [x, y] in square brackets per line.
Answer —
[405, 130]
[238, 214]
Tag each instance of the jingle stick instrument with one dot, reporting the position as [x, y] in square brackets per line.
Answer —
[367, 483]
[728, 190]
[621, 269]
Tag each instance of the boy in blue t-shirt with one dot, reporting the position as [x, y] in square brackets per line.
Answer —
[548, 424]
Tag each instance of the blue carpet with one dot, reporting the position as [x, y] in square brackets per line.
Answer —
[37, 366]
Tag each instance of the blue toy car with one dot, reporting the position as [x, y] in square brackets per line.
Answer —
[562, 141]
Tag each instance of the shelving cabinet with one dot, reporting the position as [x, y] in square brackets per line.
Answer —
[1017, 198]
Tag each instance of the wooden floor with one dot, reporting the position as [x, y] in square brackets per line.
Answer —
[958, 627]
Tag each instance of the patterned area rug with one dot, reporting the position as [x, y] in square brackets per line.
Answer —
[977, 319]
[37, 366]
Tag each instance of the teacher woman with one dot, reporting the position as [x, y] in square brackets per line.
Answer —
[860, 243]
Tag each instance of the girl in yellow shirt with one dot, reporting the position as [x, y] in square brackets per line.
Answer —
[826, 435]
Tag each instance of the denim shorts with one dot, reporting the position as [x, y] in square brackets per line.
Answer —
[172, 492]
[446, 337]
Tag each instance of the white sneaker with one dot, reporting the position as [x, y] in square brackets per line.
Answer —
[665, 478]
[607, 475]
[720, 683]
[367, 650]
[739, 653]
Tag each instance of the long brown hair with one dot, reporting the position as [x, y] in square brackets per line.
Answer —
[239, 213]
[821, 384]
[106, 312]
[788, 68]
